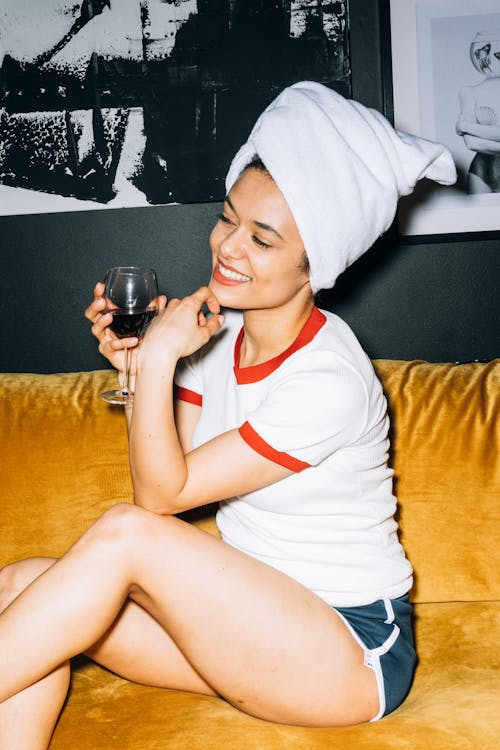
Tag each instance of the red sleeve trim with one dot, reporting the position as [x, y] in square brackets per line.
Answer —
[184, 394]
[254, 440]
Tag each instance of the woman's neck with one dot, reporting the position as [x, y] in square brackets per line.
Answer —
[269, 332]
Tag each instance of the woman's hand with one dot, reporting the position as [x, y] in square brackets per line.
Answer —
[110, 346]
[182, 327]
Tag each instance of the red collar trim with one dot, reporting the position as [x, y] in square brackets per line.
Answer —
[254, 373]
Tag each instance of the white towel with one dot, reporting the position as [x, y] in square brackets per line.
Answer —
[341, 168]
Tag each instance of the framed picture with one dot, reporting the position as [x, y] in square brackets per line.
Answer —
[119, 103]
[446, 87]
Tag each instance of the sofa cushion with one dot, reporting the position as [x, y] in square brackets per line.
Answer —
[64, 461]
[65, 451]
[453, 704]
[446, 457]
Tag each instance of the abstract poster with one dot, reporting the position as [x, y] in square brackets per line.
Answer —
[112, 103]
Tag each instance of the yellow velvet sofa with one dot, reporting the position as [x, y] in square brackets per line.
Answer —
[64, 460]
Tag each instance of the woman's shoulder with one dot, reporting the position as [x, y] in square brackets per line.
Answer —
[334, 351]
[338, 339]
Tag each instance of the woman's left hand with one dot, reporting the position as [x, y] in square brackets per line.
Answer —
[181, 328]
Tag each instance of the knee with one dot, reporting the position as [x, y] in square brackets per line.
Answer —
[119, 526]
[14, 578]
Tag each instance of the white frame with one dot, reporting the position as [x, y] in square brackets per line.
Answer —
[437, 210]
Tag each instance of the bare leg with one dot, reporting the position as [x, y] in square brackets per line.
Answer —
[256, 637]
[135, 647]
[27, 720]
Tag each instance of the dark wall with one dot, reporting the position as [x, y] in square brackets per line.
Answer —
[50, 263]
[437, 301]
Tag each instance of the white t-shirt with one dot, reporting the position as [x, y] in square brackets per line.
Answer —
[318, 409]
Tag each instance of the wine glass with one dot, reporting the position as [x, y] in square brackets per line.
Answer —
[130, 295]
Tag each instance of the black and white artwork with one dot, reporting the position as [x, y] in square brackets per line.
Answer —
[479, 118]
[113, 103]
[446, 75]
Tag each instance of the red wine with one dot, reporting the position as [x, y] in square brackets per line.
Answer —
[130, 321]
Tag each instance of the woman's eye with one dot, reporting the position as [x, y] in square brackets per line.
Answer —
[259, 242]
[225, 219]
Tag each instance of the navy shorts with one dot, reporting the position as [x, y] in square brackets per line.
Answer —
[384, 630]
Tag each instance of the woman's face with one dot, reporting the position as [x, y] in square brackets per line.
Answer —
[257, 253]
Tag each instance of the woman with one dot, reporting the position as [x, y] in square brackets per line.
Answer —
[300, 615]
[478, 122]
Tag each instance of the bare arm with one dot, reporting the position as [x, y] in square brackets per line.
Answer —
[484, 145]
[186, 418]
[467, 100]
[483, 137]
[166, 480]
[160, 428]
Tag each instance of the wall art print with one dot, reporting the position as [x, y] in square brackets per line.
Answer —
[446, 79]
[112, 103]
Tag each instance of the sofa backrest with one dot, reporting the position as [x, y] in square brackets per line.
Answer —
[446, 457]
[63, 458]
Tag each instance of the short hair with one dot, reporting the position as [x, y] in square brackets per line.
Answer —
[256, 163]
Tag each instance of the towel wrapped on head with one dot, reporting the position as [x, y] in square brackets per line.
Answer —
[341, 168]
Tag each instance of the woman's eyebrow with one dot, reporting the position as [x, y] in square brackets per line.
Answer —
[261, 224]
[267, 228]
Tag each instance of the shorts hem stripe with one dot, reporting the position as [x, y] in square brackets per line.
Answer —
[372, 661]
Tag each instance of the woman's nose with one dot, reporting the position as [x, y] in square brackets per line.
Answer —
[232, 246]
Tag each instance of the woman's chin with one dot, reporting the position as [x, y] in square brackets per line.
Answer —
[228, 295]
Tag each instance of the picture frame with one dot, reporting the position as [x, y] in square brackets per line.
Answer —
[136, 103]
[439, 84]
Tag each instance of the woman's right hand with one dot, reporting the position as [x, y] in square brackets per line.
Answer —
[110, 346]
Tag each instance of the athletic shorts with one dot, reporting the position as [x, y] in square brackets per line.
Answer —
[384, 631]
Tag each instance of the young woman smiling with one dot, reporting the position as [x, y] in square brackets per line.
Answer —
[300, 613]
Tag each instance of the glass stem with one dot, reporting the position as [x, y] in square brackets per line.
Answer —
[126, 374]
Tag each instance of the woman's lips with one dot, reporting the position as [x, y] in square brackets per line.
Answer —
[228, 276]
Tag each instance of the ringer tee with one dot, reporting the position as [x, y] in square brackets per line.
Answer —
[319, 410]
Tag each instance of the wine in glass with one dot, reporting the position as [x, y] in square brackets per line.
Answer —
[130, 295]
